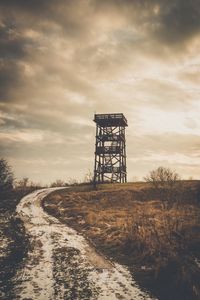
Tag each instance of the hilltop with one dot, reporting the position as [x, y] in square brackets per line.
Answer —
[155, 232]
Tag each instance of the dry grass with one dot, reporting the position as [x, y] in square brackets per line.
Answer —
[134, 225]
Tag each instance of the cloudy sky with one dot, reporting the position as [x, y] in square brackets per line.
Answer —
[63, 60]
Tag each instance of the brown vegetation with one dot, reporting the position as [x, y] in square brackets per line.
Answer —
[134, 225]
[163, 177]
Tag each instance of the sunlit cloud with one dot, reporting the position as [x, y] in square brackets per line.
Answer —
[158, 121]
[16, 136]
[60, 62]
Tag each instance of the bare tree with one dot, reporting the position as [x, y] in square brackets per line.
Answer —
[162, 177]
[72, 181]
[23, 183]
[88, 177]
[6, 186]
[58, 183]
[6, 177]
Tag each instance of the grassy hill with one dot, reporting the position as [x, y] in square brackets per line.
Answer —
[156, 232]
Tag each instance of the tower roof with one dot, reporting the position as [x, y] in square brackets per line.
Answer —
[109, 120]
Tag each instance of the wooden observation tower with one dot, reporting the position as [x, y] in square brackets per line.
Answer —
[110, 150]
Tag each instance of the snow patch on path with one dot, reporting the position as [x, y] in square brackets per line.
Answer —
[62, 265]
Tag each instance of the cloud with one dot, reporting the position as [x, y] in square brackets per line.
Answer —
[14, 47]
[179, 20]
[62, 61]
[21, 136]
[169, 22]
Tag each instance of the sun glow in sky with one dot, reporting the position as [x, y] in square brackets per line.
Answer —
[62, 61]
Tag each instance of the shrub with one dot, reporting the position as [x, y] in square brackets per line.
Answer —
[59, 183]
[162, 177]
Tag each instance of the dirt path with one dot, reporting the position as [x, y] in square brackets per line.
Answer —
[62, 265]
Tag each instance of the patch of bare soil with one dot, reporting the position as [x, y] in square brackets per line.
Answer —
[67, 264]
[13, 249]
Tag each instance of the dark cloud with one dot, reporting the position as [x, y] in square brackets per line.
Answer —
[179, 20]
[168, 21]
[171, 22]
[68, 15]
[13, 47]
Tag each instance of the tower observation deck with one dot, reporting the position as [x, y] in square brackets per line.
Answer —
[110, 148]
